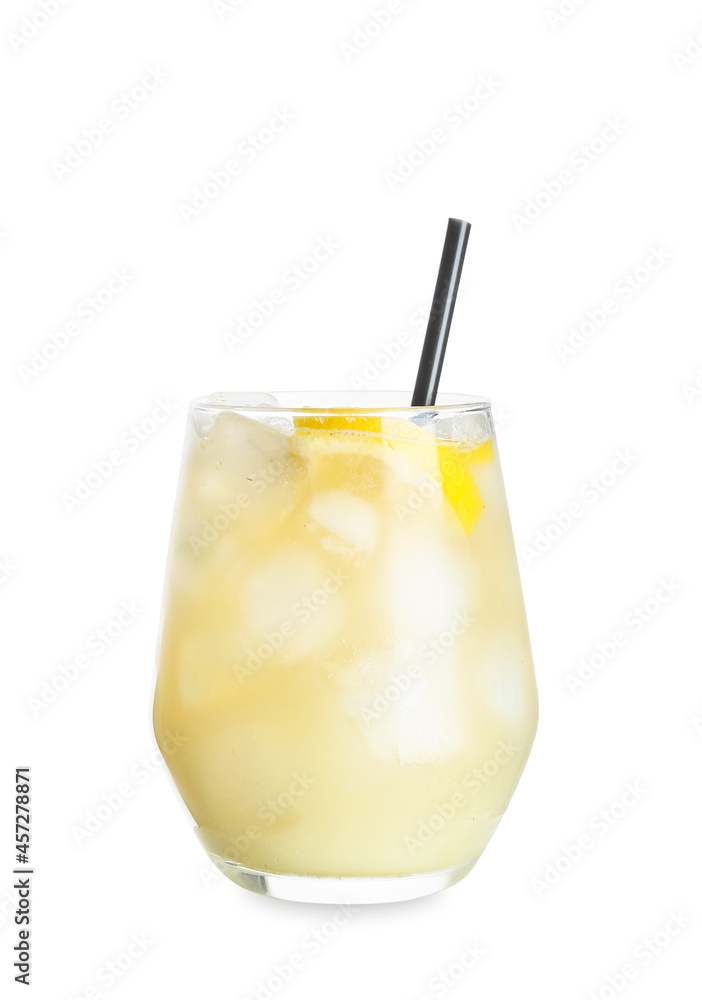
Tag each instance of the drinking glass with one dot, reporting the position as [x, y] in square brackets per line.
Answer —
[345, 694]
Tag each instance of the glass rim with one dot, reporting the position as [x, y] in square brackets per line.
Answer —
[361, 401]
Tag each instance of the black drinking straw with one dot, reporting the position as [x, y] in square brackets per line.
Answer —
[441, 314]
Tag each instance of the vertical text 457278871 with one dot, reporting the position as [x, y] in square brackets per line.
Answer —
[23, 873]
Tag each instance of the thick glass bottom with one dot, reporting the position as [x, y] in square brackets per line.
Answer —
[313, 889]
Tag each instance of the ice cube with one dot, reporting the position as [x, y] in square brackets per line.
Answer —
[433, 725]
[501, 682]
[354, 521]
[405, 711]
[242, 399]
[469, 427]
[292, 603]
[240, 482]
[330, 543]
[242, 462]
[280, 421]
[428, 582]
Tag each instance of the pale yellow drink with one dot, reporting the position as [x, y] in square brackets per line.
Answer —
[345, 682]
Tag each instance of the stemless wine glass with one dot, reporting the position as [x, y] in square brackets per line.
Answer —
[344, 652]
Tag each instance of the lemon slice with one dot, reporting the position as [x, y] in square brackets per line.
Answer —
[480, 455]
[419, 446]
[344, 451]
[401, 443]
[341, 420]
[459, 485]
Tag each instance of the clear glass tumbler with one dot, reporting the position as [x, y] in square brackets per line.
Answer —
[345, 693]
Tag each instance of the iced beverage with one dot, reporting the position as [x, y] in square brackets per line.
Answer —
[345, 687]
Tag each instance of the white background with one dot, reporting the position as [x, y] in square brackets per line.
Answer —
[629, 386]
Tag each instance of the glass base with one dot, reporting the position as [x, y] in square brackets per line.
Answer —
[314, 889]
